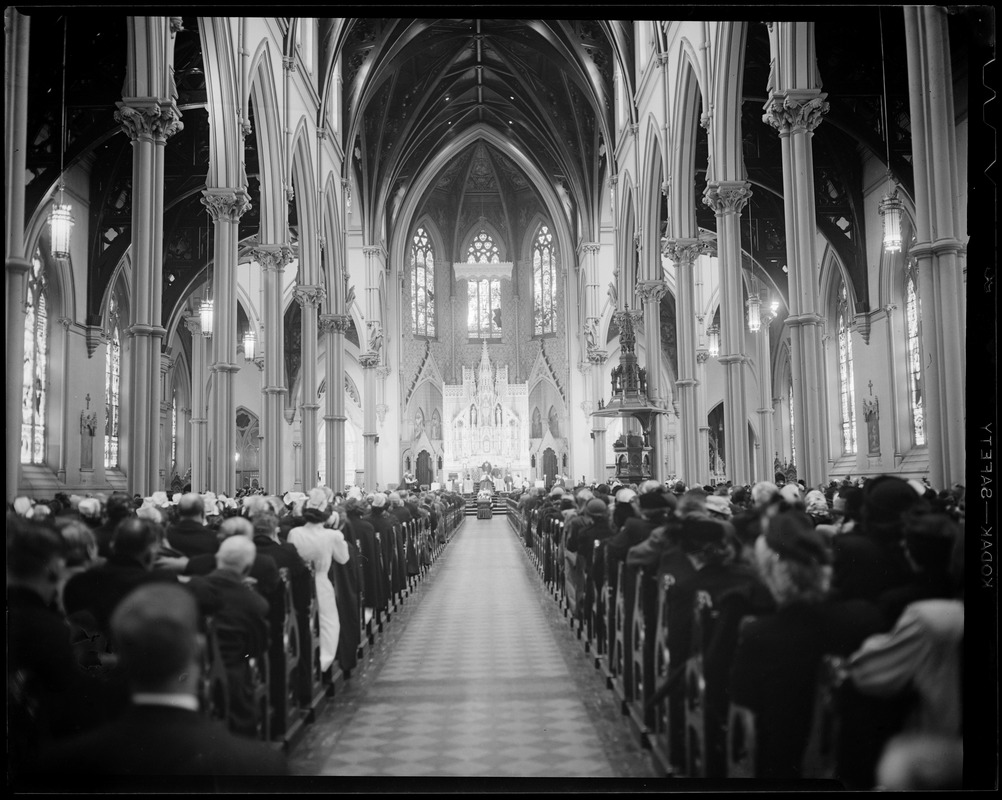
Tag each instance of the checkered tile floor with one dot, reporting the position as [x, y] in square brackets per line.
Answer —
[479, 675]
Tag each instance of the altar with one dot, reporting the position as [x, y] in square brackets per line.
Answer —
[486, 430]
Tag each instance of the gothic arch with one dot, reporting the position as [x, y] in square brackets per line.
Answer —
[650, 232]
[303, 179]
[225, 144]
[726, 156]
[682, 159]
[270, 146]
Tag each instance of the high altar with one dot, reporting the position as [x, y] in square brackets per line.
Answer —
[486, 424]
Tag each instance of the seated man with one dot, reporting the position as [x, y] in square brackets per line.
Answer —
[155, 630]
[131, 563]
[190, 535]
[241, 618]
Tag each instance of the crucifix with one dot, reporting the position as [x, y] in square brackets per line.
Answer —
[88, 425]
[870, 384]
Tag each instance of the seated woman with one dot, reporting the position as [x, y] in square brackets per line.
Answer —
[775, 666]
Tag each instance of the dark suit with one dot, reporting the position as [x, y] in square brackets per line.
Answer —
[264, 571]
[158, 740]
[389, 526]
[375, 583]
[865, 567]
[241, 618]
[100, 588]
[775, 668]
[192, 538]
[634, 531]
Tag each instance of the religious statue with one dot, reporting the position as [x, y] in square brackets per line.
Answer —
[617, 375]
[871, 413]
[88, 426]
[643, 381]
[591, 334]
[375, 335]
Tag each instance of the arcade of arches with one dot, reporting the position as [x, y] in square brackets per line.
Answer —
[344, 249]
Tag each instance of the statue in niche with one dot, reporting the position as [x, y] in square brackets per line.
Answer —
[871, 413]
[375, 335]
[617, 376]
[473, 416]
[643, 381]
[591, 334]
[88, 426]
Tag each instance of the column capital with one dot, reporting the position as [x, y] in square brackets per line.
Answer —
[148, 118]
[17, 266]
[795, 110]
[381, 410]
[327, 324]
[309, 295]
[383, 372]
[683, 251]
[702, 356]
[273, 256]
[369, 360]
[727, 197]
[193, 324]
[226, 204]
[651, 291]
[376, 250]
[590, 248]
[598, 357]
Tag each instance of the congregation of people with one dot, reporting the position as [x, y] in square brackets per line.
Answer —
[772, 592]
[120, 607]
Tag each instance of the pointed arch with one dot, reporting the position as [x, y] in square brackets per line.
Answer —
[685, 115]
[270, 145]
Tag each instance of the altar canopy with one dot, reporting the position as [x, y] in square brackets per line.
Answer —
[486, 422]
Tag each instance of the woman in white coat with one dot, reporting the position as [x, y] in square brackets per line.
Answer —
[319, 545]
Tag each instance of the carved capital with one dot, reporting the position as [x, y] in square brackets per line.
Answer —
[651, 291]
[369, 360]
[793, 112]
[863, 326]
[289, 63]
[327, 323]
[273, 256]
[246, 129]
[176, 25]
[591, 248]
[683, 252]
[702, 356]
[227, 205]
[383, 372]
[727, 197]
[193, 324]
[308, 295]
[95, 337]
[150, 118]
[374, 251]
[598, 357]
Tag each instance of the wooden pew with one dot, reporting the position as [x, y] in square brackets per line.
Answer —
[741, 737]
[701, 738]
[662, 734]
[312, 690]
[260, 683]
[820, 756]
[623, 678]
[287, 716]
[644, 635]
[213, 690]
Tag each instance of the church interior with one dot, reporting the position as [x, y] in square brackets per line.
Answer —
[266, 254]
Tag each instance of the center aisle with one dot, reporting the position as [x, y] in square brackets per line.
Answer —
[480, 676]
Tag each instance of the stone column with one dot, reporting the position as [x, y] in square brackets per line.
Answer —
[651, 293]
[938, 249]
[597, 359]
[702, 473]
[225, 206]
[764, 457]
[166, 406]
[148, 122]
[795, 114]
[309, 298]
[16, 29]
[727, 198]
[199, 421]
[334, 326]
[273, 259]
[683, 253]
[369, 362]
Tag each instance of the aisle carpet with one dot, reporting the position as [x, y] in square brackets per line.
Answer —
[478, 675]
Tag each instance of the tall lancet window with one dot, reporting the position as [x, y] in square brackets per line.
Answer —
[36, 363]
[112, 385]
[793, 430]
[173, 430]
[423, 284]
[847, 394]
[544, 284]
[484, 296]
[913, 316]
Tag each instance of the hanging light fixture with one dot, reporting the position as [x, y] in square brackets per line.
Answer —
[61, 218]
[713, 334]
[250, 342]
[754, 313]
[205, 313]
[891, 207]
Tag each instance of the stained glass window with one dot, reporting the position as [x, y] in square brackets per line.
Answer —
[484, 296]
[543, 283]
[173, 430]
[112, 384]
[423, 284]
[913, 316]
[36, 362]
[847, 393]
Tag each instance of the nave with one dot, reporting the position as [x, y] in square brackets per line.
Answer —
[479, 675]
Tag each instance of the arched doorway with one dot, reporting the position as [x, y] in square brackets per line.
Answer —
[549, 467]
[425, 471]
